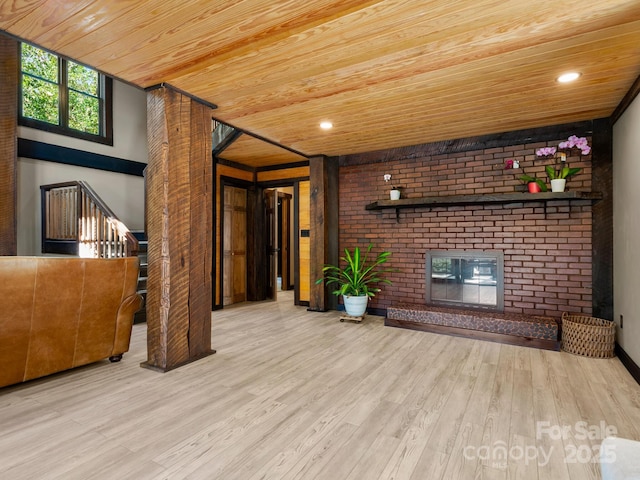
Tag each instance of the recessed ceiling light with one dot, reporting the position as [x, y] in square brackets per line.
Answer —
[326, 125]
[568, 77]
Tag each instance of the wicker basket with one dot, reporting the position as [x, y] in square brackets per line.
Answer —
[588, 336]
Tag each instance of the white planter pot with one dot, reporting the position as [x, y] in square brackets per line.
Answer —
[394, 194]
[558, 184]
[355, 306]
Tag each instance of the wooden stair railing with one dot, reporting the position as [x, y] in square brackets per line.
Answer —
[76, 221]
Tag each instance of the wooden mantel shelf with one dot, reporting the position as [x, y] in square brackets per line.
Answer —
[449, 200]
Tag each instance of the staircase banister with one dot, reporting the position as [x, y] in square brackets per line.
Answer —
[51, 186]
[132, 241]
[98, 201]
[131, 244]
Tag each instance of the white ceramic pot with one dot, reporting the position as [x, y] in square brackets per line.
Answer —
[394, 194]
[558, 184]
[355, 306]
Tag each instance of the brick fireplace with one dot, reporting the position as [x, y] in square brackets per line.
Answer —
[546, 246]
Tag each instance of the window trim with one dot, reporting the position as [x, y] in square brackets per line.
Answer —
[105, 99]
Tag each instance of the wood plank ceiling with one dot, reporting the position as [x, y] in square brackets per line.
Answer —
[387, 73]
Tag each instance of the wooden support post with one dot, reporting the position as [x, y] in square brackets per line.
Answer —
[8, 145]
[179, 216]
[602, 219]
[257, 275]
[323, 176]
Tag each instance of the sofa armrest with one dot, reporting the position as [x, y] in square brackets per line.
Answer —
[619, 459]
[124, 323]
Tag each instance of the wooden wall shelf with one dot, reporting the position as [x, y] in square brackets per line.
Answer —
[457, 200]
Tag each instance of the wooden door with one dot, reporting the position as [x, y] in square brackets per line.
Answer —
[234, 271]
[271, 216]
[285, 236]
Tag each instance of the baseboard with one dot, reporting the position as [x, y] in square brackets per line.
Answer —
[381, 312]
[628, 362]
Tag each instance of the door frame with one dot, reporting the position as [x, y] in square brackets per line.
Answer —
[285, 229]
[295, 226]
[277, 236]
[256, 288]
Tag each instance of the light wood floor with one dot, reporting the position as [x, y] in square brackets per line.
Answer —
[293, 394]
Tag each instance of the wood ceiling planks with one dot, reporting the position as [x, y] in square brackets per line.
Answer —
[261, 153]
[388, 73]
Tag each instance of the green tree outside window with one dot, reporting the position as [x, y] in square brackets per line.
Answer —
[84, 103]
[40, 87]
[60, 92]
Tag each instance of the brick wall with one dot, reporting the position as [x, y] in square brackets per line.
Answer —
[547, 253]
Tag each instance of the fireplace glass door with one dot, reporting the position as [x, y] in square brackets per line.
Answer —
[468, 279]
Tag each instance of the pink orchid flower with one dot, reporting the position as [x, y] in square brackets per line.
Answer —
[544, 151]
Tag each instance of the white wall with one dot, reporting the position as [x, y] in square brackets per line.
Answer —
[123, 193]
[129, 128]
[626, 229]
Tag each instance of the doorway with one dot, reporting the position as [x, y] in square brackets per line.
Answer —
[285, 260]
[278, 214]
[257, 250]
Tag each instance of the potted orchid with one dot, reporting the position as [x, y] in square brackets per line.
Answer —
[394, 193]
[559, 173]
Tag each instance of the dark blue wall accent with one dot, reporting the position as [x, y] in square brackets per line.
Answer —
[79, 158]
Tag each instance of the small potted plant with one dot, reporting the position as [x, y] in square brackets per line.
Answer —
[534, 184]
[357, 281]
[558, 176]
[394, 193]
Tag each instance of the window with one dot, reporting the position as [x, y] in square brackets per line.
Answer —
[61, 96]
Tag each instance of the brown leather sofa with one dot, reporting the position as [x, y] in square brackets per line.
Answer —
[59, 313]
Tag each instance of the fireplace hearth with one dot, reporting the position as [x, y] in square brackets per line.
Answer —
[514, 329]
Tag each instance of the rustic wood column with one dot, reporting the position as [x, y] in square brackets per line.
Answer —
[179, 216]
[323, 176]
[8, 145]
